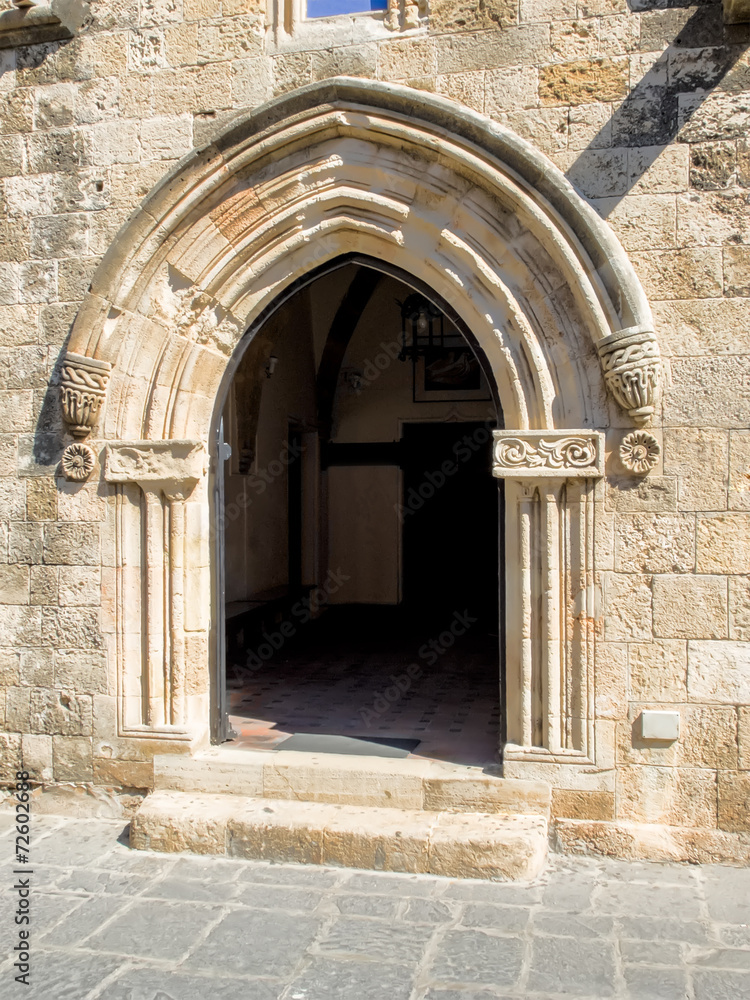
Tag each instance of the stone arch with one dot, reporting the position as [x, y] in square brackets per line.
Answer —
[442, 193]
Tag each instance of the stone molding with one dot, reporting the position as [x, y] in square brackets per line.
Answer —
[167, 559]
[545, 454]
[632, 370]
[175, 467]
[83, 388]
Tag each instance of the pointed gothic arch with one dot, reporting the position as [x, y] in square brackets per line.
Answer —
[471, 211]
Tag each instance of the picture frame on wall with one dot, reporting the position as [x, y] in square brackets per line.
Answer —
[449, 374]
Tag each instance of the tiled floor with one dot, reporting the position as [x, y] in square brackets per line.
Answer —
[348, 674]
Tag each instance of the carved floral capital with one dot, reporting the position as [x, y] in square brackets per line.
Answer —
[82, 390]
[541, 454]
[632, 370]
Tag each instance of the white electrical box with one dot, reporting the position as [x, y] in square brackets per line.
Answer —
[663, 726]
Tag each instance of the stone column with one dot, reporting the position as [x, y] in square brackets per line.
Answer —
[167, 473]
[549, 479]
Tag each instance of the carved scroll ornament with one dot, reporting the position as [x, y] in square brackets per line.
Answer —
[82, 390]
[632, 370]
[562, 454]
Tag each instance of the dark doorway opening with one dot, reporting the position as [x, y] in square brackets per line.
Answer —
[361, 536]
[450, 521]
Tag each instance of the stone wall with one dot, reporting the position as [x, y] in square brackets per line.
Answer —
[647, 111]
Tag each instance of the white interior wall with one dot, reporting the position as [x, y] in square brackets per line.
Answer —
[361, 533]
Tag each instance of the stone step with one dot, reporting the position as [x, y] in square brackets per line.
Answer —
[454, 844]
[340, 779]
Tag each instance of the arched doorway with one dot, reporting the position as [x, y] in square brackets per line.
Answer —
[359, 521]
[459, 204]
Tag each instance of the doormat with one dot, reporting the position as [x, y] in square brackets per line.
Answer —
[373, 746]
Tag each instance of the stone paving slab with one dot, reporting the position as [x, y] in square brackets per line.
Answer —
[109, 923]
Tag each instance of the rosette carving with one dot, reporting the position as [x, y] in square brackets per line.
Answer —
[639, 451]
[82, 390]
[632, 370]
[548, 453]
[78, 461]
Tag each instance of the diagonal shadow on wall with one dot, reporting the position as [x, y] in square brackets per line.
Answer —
[700, 57]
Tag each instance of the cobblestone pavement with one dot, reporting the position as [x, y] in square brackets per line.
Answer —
[115, 924]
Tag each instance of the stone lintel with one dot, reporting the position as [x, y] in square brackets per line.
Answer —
[171, 466]
[548, 454]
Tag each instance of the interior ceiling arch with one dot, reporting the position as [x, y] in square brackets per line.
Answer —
[354, 166]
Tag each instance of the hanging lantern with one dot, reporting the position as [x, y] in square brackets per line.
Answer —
[421, 327]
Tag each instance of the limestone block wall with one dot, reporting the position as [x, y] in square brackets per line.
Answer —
[647, 111]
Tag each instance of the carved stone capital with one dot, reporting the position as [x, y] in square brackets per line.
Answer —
[547, 454]
[632, 370]
[82, 390]
[172, 467]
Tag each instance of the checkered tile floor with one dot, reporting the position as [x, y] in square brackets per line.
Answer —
[340, 675]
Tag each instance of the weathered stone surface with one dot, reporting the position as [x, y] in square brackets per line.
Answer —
[723, 543]
[36, 667]
[36, 752]
[71, 544]
[635, 841]
[699, 458]
[658, 670]
[739, 608]
[743, 736]
[82, 671]
[61, 713]
[72, 758]
[736, 271]
[466, 88]
[708, 739]
[41, 499]
[719, 672]
[583, 82]
[690, 607]
[734, 801]
[611, 680]
[739, 471]
[463, 16]
[14, 584]
[464, 845]
[655, 543]
[43, 585]
[573, 804]
[123, 773]
[691, 273]
[634, 496]
[651, 794]
[627, 606]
